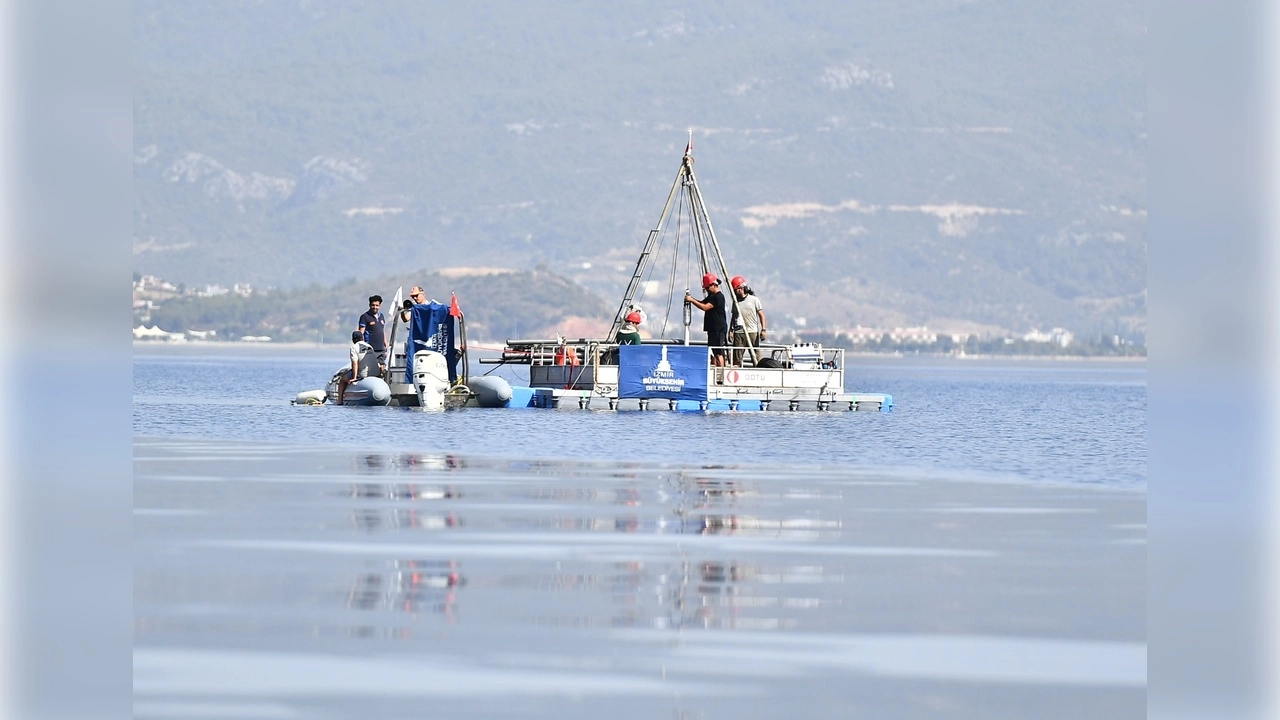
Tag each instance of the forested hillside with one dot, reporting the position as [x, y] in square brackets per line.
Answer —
[497, 306]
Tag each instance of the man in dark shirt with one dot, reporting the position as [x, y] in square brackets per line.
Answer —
[373, 326]
[714, 320]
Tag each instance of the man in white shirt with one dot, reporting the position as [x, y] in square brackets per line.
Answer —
[364, 362]
[748, 328]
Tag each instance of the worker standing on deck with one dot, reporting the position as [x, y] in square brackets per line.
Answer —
[714, 320]
[748, 329]
[417, 296]
[373, 326]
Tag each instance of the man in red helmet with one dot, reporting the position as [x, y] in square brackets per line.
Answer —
[629, 333]
[748, 330]
[714, 320]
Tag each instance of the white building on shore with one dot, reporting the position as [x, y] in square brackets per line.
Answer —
[1057, 336]
[155, 334]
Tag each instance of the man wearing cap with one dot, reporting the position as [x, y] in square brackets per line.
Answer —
[416, 297]
[713, 318]
[363, 364]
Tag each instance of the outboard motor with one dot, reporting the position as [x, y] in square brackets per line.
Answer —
[430, 379]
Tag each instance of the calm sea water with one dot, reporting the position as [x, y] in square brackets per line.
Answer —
[979, 552]
[1061, 421]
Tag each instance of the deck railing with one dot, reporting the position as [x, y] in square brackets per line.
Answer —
[595, 352]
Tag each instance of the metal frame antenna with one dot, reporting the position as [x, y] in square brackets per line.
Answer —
[695, 193]
[646, 255]
[709, 256]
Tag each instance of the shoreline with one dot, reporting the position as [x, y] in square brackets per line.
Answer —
[495, 347]
[297, 345]
[981, 356]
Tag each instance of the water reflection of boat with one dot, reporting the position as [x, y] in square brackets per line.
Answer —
[370, 520]
[409, 586]
[412, 462]
[678, 373]
[406, 491]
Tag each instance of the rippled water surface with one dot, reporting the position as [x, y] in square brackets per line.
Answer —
[978, 552]
[1036, 420]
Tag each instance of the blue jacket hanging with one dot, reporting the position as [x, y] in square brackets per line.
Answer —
[432, 328]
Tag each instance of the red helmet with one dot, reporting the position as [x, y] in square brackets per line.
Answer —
[737, 282]
[634, 318]
[709, 279]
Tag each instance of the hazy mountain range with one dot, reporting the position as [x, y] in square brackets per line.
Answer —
[956, 163]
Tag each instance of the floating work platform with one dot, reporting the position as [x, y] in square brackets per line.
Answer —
[745, 402]
[674, 373]
[591, 374]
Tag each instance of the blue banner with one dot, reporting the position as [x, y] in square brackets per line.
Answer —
[431, 328]
[674, 372]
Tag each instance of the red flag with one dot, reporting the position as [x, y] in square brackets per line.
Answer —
[454, 310]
